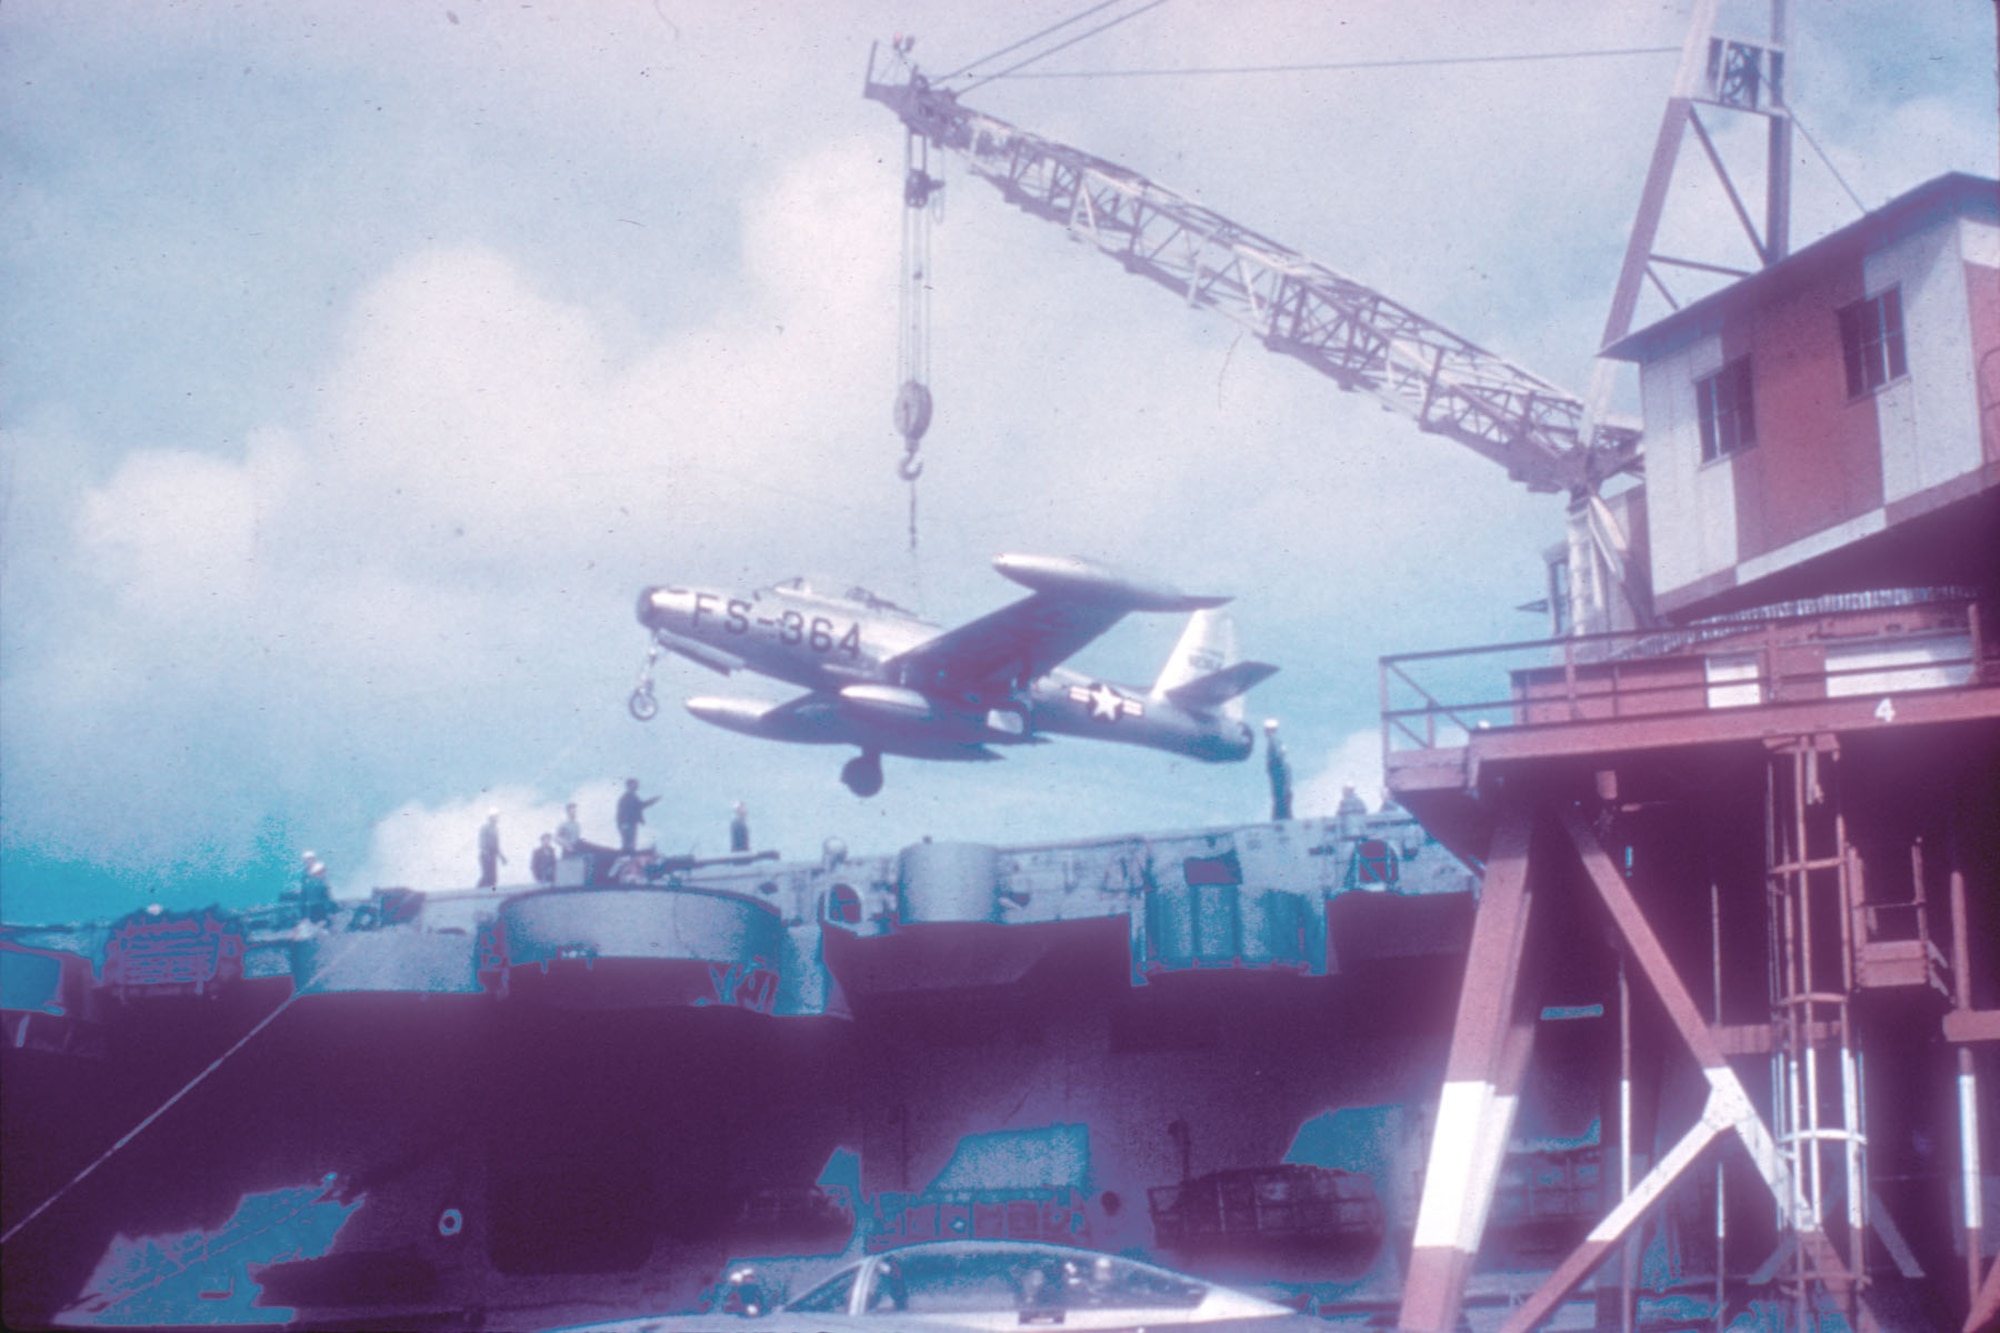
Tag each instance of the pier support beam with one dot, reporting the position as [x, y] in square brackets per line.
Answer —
[1489, 1052]
[1728, 1107]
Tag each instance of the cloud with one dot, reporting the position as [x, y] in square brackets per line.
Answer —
[356, 595]
[1355, 762]
[474, 427]
[430, 343]
[488, 424]
[436, 846]
[177, 534]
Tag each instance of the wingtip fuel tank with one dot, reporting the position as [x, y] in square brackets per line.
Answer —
[1074, 577]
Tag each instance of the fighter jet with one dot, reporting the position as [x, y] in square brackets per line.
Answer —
[882, 680]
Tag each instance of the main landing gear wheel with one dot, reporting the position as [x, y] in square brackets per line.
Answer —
[863, 774]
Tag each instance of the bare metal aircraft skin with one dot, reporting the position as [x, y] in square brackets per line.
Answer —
[882, 680]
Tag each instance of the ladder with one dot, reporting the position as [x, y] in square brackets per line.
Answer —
[1811, 895]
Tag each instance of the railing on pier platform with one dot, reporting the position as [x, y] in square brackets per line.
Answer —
[1859, 646]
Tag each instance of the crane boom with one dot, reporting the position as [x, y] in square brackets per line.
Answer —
[1359, 337]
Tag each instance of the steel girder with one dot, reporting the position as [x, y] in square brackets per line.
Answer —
[1355, 335]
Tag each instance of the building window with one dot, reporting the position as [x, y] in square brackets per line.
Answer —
[1727, 423]
[1871, 342]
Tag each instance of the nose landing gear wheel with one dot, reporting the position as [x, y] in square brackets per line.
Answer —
[863, 774]
[642, 704]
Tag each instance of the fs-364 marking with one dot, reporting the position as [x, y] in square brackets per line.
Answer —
[820, 633]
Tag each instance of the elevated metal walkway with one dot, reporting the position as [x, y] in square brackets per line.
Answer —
[1793, 793]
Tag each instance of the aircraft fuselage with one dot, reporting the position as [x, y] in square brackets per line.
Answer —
[887, 682]
[802, 637]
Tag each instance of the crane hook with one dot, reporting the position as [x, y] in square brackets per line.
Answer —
[910, 469]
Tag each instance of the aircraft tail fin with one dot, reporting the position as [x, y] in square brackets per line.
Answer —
[1203, 673]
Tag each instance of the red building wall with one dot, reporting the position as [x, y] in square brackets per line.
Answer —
[1818, 458]
[1834, 492]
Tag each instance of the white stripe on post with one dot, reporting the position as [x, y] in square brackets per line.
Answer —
[1968, 1137]
[1442, 1215]
[1486, 1171]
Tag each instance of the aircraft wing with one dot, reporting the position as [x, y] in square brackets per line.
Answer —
[1020, 641]
[1074, 601]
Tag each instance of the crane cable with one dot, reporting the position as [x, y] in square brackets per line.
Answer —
[913, 397]
[1059, 46]
[914, 405]
[1801, 126]
[1414, 62]
[913, 357]
[1034, 37]
[315, 982]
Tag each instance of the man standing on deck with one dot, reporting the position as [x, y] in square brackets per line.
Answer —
[542, 864]
[631, 814]
[739, 829]
[315, 898]
[490, 855]
[1280, 770]
[569, 833]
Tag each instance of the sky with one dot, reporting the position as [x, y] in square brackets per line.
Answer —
[360, 362]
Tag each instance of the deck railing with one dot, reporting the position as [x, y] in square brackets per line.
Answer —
[1433, 700]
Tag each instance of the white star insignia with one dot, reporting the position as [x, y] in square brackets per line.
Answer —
[1106, 704]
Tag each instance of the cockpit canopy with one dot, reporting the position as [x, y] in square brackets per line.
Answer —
[822, 590]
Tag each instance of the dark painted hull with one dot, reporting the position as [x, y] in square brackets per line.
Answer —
[603, 1095]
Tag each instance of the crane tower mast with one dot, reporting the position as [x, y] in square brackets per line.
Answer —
[1362, 339]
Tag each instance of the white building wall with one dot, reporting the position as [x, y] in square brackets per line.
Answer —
[1979, 243]
[1691, 507]
[1929, 422]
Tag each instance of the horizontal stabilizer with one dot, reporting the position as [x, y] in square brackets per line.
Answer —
[1218, 687]
[1076, 579]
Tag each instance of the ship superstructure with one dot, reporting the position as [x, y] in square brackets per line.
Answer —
[557, 1102]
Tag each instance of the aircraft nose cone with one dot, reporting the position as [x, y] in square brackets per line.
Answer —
[664, 608]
